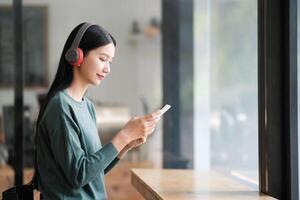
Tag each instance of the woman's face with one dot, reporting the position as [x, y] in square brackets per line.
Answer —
[96, 64]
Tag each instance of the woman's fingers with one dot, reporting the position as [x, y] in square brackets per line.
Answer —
[150, 130]
[150, 127]
[140, 127]
[143, 140]
[153, 116]
[138, 142]
[148, 124]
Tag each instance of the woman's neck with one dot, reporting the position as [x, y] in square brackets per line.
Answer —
[77, 90]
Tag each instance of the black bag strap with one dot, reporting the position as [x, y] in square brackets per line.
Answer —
[24, 192]
[34, 181]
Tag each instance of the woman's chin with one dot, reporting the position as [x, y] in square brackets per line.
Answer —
[96, 83]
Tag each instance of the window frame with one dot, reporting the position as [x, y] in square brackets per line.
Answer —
[277, 98]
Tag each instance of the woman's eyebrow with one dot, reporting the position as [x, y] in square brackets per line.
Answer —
[106, 55]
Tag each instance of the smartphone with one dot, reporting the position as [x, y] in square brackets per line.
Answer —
[164, 109]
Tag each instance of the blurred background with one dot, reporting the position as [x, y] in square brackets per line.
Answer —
[213, 123]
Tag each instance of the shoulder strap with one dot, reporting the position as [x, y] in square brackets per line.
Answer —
[34, 180]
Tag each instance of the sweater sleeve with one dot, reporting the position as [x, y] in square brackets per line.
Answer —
[77, 167]
[111, 165]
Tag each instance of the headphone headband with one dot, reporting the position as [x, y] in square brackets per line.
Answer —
[80, 34]
[74, 55]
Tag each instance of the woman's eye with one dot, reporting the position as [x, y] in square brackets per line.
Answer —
[105, 60]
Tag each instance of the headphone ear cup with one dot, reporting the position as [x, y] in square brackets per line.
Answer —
[80, 57]
[74, 56]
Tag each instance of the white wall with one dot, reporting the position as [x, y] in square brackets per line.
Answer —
[136, 70]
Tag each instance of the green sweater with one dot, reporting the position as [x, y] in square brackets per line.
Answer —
[71, 161]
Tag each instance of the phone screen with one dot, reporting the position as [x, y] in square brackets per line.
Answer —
[165, 109]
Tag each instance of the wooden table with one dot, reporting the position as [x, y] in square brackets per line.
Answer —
[166, 184]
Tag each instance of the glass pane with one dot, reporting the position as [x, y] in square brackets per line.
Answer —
[7, 72]
[226, 87]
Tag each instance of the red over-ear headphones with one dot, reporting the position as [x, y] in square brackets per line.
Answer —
[74, 55]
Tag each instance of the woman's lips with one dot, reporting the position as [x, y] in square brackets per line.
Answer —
[101, 77]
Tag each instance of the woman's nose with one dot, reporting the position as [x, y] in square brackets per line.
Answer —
[107, 68]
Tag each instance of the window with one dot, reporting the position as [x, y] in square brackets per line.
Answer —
[34, 42]
[226, 108]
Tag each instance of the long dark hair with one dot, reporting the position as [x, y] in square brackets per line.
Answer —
[94, 37]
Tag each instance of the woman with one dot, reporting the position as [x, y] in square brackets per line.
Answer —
[71, 162]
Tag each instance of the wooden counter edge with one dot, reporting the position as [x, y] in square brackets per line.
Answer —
[148, 193]
[143, 188]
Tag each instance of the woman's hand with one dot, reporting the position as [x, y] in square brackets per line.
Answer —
[131, 145]
[137, 127]
[136, 143]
